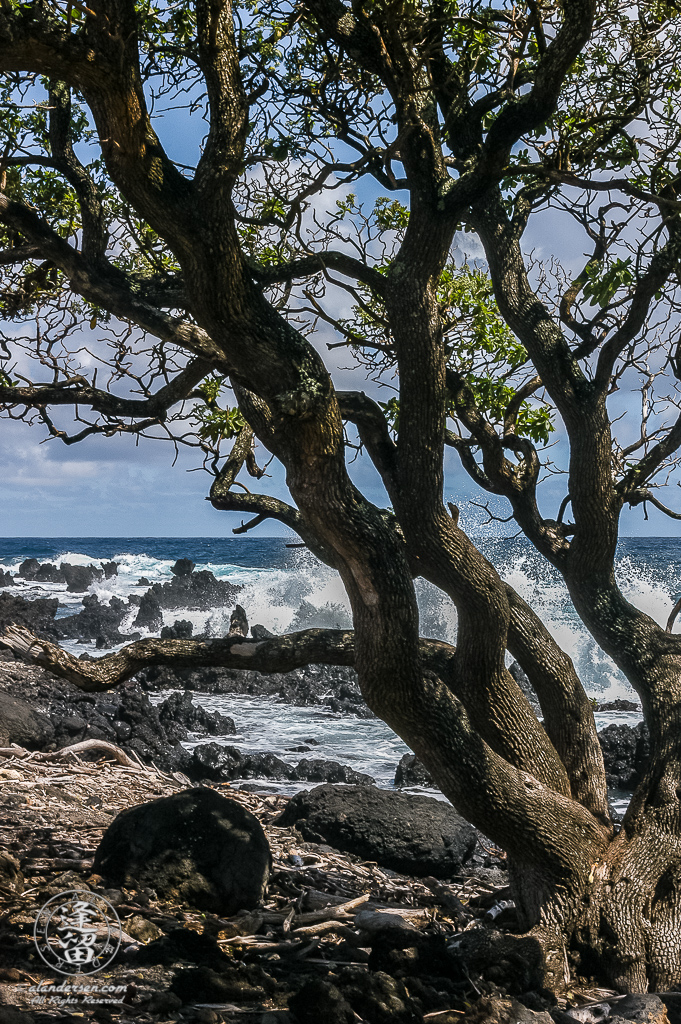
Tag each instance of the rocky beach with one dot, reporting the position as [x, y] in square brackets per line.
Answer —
[363, 902]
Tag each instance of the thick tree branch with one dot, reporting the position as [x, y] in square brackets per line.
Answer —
[79, 392]
[105, 285]
[306, 266]
[358, 408]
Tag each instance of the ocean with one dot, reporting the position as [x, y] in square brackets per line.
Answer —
[287, 588]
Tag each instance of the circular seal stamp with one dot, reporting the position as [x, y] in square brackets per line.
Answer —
[77, 932]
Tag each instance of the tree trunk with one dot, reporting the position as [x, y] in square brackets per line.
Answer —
[619, 921]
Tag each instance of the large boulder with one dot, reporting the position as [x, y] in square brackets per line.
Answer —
[149, 615]
[19, 723]
[195, 846]
[416, 835]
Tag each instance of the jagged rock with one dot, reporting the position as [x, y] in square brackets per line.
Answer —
[197, 590]
[22, 724]
[179, 707]
[125, 717]
[48, 573]
[80, 577]
[110, 569]
[38, 615]
[97, 620]
[28, 568]
[645, 1008]
[183, 567]
[334, 687]
[410, 772]
[626, 750]
[143, 582]
[259, 632]
[319, 770]
[6, 579]
[618, 705]
[218, 762]
[181, 629]
[415, 834]
[195, 846]
[238, 622]
[149, 615]
[223, 763]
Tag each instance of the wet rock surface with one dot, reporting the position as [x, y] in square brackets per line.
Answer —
[97, 620]
[195, 846]
[414, 833]
[333, 687]
[180, 709]
[410, 772]
[195, 590]
[38, 615]
[223, 763]
[626, 750]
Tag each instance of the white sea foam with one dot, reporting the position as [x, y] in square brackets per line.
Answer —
[307, 593]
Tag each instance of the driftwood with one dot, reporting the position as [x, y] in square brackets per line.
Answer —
[75, 748]
[275, 654]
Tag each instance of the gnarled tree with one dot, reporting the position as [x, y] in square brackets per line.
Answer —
[475, 116]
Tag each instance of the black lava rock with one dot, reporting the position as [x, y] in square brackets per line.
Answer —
[413, 834]
[196, 590]
[22, 724]
[179, 707]
[195, 846]
[183, 567]
[410, 772]
[149, 615]
[333, 687]
[626, 750]
[181, 629]
[225, 763]
[319, 1000]
[96, 621]
[240, 983]
[80, 577]
[38, 615]
[126, 717]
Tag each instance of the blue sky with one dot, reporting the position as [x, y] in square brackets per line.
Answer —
[119, 487]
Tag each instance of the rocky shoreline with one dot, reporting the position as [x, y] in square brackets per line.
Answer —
[402, 856]
[322, 937]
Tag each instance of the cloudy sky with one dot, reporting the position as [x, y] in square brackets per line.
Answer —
[117, 487]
